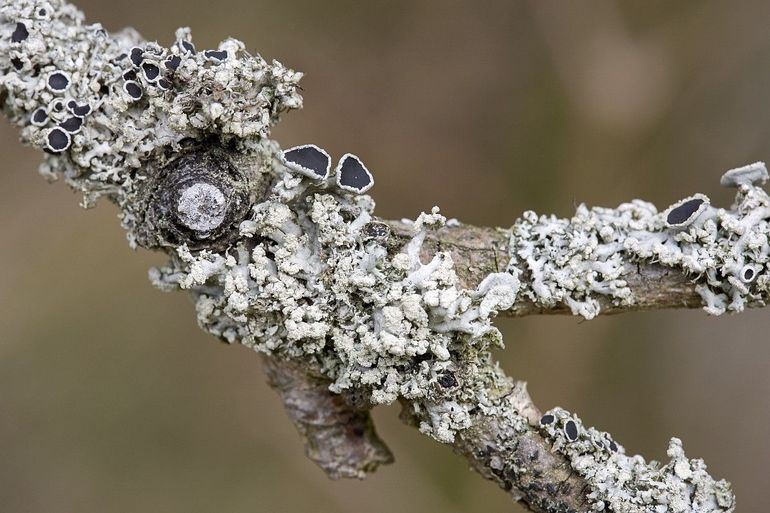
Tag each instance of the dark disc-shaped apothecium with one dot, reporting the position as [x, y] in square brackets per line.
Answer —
[56, 105]
[571, 430]
[20, 33]
[151, 71]
[133, 89]
[216, 55]
[80, 110]
[57, 140]
[309, 160]
[686, 211]
[352, 174]
[58, 82]
[683, 212]
[137, 55]
[72, 124]
[39, 117]
[187, 47]
[748, 273]
[173, 62]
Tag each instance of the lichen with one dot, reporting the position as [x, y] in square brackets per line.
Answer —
[575, 261]
[628, 484]
[293, 263]
[233, 101]
[388, 323]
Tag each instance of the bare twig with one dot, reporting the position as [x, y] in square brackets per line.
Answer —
[339, 435]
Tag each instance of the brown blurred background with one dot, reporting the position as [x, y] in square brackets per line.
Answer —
[112, 400]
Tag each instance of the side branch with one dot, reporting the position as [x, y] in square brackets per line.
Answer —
[339, 436]
[480, 251]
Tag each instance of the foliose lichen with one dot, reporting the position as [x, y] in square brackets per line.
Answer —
[105, 105]
[575, 261]
[301, 275]
[628, 484]
[296, 265]
[310, 286]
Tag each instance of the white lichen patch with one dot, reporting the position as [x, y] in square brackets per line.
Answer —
[132, 101]
[575, 261]
[304, 270]
[628, 484]
[311, 287]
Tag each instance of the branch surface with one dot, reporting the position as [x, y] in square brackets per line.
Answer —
[480, 251]
[339, 435]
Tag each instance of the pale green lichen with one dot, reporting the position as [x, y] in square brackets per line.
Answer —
[575, 261]
[628, 484]
[302, 279]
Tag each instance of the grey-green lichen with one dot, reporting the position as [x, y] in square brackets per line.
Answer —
[299, 281]
[575, 261]
[628, 484]
[306, 272]
[311, 287]
[180, 96]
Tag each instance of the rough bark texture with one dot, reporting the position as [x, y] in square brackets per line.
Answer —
[339, 436]
[519, 460]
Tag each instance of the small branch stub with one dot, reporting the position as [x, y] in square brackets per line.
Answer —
[198, 200]
[202, 207]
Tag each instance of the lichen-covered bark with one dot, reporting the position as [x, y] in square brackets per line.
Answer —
[350, 311]
[479, 251]
[505, 446]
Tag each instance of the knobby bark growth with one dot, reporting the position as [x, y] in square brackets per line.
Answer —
[348, 310]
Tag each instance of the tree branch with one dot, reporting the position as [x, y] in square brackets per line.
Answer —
[350, 311]
[480, 251]
[339, 436]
